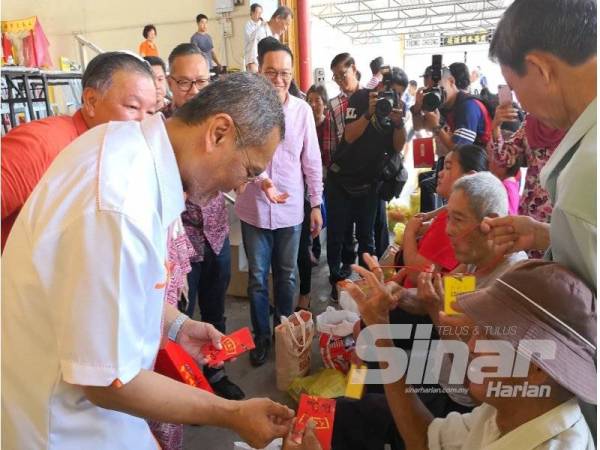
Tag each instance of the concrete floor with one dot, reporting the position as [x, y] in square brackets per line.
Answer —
[257, 382]
[260, 382]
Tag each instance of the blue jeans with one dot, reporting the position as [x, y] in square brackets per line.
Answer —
[278, 250]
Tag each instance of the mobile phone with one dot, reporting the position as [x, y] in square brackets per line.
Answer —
[505, 96]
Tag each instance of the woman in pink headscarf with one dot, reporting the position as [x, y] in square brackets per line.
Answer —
[533, 143]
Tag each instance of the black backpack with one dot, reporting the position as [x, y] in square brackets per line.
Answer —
[393, 176]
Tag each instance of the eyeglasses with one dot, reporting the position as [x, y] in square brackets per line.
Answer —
[273, 74]
[186, 85]
[342, 76]
[250, 177]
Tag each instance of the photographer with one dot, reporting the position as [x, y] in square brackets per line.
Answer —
[374, 132]
[454, 117]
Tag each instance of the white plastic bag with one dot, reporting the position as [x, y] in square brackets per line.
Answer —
[347, 302]
[277, 444]
[336, 322]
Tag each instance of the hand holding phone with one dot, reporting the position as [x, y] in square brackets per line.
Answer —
[505, 96]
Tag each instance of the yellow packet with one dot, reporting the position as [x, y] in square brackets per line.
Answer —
[356, 381]
[454, 286]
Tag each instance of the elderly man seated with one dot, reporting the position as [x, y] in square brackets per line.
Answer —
[537, 309]
[473, 197]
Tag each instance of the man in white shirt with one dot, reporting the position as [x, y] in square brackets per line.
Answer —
[538, 310]
[251, 26]
[84, 273]
[279, 23]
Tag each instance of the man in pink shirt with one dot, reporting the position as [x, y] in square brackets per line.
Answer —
[271, 231]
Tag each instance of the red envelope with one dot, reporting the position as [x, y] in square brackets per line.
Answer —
[322, 412]
[423, 150]
[233, 345]
[174, 362]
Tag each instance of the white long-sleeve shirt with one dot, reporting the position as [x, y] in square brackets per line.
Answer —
[251, 51]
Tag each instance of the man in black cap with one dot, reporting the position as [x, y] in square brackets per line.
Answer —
[461, 119]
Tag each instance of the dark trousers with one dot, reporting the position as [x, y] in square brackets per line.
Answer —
[349, 245]
[382, 235]
[342, 210]
[428, 184]
[208, 282]
[368, 424]
[304, 263]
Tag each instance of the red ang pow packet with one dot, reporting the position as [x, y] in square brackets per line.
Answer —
[174, 362]
[322, 412]
[233, 346]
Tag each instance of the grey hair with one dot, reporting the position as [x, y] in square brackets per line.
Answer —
[486, 194]
[250, 100]
[563, 28]
[100, 70]
[184, 49]
[283, 11]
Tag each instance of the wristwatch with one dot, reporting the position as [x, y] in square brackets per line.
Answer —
[176, 326]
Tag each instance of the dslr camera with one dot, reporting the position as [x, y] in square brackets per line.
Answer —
[387, 99]
[434, 97]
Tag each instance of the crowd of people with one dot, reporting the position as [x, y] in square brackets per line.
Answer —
[115, 226]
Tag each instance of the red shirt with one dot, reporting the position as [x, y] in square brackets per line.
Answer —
[435, 245]
[27, 152]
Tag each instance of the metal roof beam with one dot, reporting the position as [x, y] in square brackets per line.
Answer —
[471, 26]
[334, 10]
[406, 24]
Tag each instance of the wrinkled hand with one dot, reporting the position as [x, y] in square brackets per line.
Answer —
[375, 307]
[415, 226]
[316, 222]
[455, 326]
[194, 335]
[274, 196]
[306, 441]
[430, 292]
[260, 420]
[515, 233]
[431, 119]
[504, 113]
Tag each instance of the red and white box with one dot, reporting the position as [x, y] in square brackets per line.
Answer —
[423, 153]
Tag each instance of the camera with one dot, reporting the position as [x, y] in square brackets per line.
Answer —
[435, 95]
[387, 99]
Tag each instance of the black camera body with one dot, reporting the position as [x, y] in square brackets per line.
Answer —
[387, 99]
[435, 96]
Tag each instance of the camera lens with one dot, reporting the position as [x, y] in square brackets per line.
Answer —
[384, 107]
[432, 100]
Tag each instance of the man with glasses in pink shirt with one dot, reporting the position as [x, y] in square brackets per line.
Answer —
[271, 231]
